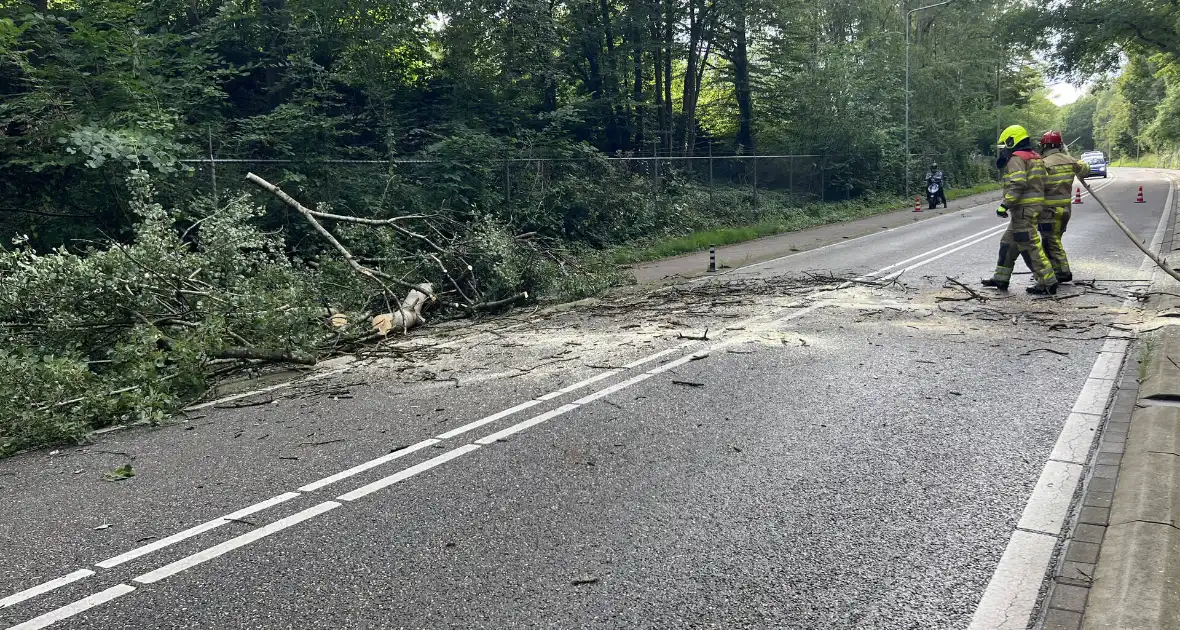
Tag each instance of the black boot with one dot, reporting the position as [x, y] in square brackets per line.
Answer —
[1041, 289]
[995, 284]
[1065, 277]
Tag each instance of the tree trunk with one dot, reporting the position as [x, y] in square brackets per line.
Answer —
[658, 61]
[637, 90]
[740, 59]
[669, 34]
[699, 35]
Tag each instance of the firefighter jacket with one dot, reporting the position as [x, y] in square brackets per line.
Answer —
[1060, 169]
[1024, 181]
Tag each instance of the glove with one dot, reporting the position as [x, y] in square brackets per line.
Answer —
[1002, 212]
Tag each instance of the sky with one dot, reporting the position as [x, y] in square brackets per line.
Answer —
[1065, 93]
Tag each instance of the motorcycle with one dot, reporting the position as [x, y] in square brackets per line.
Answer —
[934, 194]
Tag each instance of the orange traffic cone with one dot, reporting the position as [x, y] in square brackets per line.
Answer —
[917, 204]
[1077, 197]
[1139, 199]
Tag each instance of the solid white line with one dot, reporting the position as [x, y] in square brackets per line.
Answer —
[664, 353]
[521, 426]
[579, 385]
[945, 254]
[373, 463]
[44, 587]
[603, 393]
[407, 473]
[218, 550]
[488, 420]
[988, 231]
[1012, 592]
[194, 531]
[1013, 589]
[70, 610]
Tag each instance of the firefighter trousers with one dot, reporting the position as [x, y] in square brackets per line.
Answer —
[1024, 241]
[1051, 225]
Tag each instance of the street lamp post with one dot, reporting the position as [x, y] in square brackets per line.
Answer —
[908, 17]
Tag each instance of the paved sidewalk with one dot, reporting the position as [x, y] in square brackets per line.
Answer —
[737, 255]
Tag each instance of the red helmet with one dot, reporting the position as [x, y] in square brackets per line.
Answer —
[1051, 139]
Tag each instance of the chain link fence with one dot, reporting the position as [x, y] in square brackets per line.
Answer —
[744, 183]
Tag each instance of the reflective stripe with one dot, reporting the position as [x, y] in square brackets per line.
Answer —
[1056, 203]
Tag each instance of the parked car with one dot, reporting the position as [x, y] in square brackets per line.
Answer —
[1097, 162]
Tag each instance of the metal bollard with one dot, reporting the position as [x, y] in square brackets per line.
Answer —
[712, 258]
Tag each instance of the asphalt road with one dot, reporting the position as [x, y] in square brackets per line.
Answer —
[840, 455]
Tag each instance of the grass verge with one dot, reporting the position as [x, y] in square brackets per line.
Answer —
[1150, 160]
[776, 221]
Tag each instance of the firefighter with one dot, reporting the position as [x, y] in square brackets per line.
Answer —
[1024, 196]
[1060, 169]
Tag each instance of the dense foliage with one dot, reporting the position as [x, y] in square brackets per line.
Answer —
[497, 131]
[1132, 47]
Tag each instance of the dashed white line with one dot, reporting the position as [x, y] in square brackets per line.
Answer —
[603, 393]
[579, 385]
[45, 587]
[234, 543]
[521, 426]
[372, 463]
[407, 473]
[252, 536]
[664, 353]
[70, 610]
[489, 419]
[193, 531]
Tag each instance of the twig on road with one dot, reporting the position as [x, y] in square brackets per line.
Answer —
[972, 294]
[1057, 352]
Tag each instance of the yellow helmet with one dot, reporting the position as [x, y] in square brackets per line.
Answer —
[1012, 136]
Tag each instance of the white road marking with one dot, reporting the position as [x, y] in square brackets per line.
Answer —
[407, 473]
[489, 419]
[218, 550]
[193, 531]
[994, 233]
[1012, 592]
[521, 426]
[579, 385]
[70, 610]
[988, 232]
[227, 546]
[372, 463]
[603, 393]
[672, 350]
[44, 587]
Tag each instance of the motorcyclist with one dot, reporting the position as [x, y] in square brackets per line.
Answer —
[935, 176]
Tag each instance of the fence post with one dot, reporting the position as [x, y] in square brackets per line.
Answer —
[507, 179]
[213, 167]
[710, 173]
[791, 180]
[755, 153]
[820, 165]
